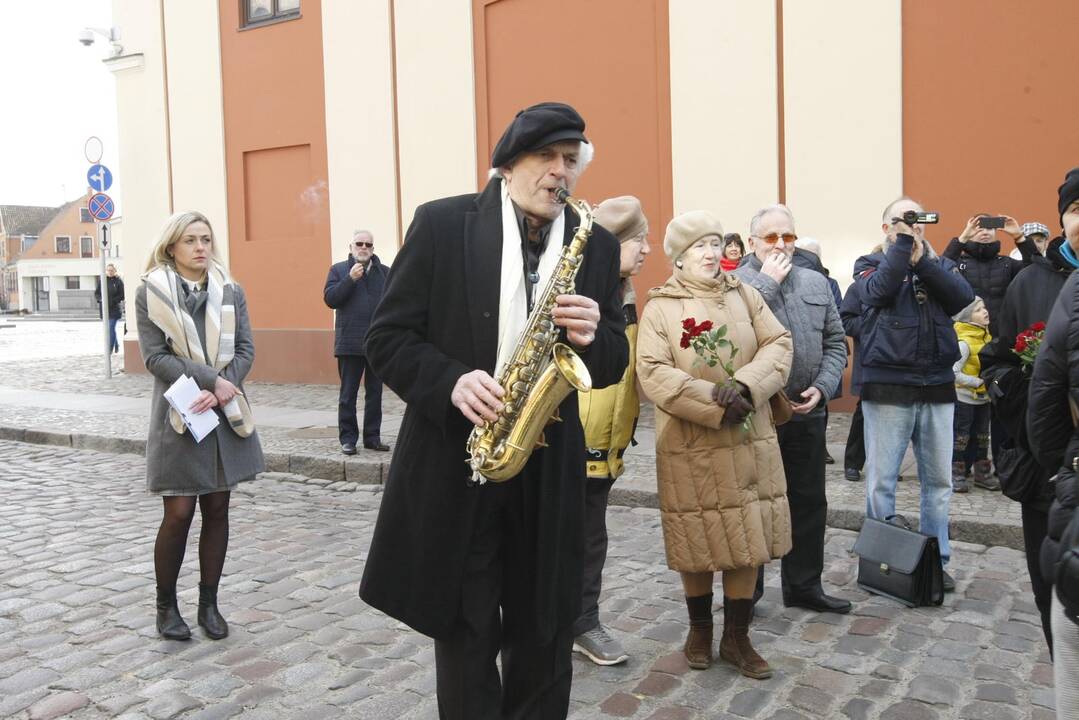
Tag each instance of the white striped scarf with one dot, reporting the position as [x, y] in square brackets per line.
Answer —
[166, 309]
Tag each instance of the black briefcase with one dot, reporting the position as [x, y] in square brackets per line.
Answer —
[899, 563]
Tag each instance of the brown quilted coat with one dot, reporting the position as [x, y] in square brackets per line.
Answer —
[722, 492]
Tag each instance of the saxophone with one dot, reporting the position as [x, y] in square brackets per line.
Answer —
[540, 373]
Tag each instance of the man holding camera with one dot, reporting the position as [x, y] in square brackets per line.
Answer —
[802, 302]
[977, 253]
[907, 348]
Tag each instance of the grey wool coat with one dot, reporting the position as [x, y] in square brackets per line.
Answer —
[176, 464]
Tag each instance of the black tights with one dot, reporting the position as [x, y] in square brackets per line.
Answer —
[172, 538]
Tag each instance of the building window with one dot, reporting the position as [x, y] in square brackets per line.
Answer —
[256, 12]
[28, 242]
[63, 244]
[85, 216]
[86, 246]
[72, 282]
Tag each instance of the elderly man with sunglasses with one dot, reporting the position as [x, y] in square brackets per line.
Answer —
[802, 301]
[354, 289]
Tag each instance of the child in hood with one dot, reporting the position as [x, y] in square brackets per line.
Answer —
[972, 409]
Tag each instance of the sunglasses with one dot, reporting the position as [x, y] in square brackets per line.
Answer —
[772, 239]
[361, 243]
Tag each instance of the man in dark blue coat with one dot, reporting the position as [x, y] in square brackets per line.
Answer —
[354, 289]
[906, 349]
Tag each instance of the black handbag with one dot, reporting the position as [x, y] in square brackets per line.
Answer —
[899, 563]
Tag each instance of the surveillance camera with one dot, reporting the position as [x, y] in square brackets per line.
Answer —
[86, 37]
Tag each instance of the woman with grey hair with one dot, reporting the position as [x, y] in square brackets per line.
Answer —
[192, 320]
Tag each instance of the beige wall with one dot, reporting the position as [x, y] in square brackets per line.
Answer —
[723, 108]
[435, 101]
[844, 125]
[195, 112]
[140, 100]
[357, 62]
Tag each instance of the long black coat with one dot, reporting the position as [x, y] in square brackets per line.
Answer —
[115, 288]
[355, 302]
[439, 320]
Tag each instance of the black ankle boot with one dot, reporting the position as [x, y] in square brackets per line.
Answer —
[210, 619]
[169, 623]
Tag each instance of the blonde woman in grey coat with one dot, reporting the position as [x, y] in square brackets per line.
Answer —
[192, 320]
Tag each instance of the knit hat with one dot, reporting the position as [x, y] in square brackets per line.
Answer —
[622, 216]
[965, 314]
[1035, 228]
[1068, 192]
[687, 229]
[536, 127]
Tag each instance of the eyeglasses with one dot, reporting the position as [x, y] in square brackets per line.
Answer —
[361, 243]
[772, 239]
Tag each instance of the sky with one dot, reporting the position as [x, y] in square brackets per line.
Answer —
[57, 93]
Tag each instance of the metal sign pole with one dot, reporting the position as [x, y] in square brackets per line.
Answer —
[103, 243]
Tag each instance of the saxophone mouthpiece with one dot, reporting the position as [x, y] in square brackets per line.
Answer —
[561, 194]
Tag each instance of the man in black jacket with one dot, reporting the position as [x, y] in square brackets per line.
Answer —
[491, 567]
[1029, 300]
[354, 289]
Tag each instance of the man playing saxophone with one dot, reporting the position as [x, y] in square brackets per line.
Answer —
[491, 567]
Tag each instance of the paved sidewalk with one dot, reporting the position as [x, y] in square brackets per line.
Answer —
[67, 401]
[77, 636]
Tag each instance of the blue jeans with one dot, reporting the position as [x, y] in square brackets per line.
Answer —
[113, 342]
[888, 430]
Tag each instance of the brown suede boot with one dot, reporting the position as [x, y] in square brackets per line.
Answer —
[698, 647]
[734, 646]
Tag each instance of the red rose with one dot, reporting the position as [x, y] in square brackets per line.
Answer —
[685, 340]
[1037, 327]
[704, 327]
[688, 324]
[1021, 344]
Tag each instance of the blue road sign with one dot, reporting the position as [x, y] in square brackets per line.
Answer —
[99, 178]
[101, 206]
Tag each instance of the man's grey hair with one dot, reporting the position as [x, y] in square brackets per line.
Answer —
[368, 233]
[584, 156]
[886, 216]
[755, 222]
[809, 244]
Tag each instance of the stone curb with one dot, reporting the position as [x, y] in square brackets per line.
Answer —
[325, 471]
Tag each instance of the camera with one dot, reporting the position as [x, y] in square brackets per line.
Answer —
[988, 222]
[926, 218]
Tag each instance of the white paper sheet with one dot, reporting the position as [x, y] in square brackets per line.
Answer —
[182, 393]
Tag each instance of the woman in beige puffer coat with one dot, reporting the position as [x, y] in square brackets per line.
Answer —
[722, 491]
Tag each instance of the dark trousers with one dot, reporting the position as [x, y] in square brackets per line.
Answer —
[535, 680]
[801, 443]
[595, 551]
[971, 422]
[1035, 529]
[854, 457]
[351, 368]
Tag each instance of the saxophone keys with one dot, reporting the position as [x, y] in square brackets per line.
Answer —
[556, 417]
[541, 442]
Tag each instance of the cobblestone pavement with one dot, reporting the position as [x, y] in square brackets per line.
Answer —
[77, 634]
[980, 515]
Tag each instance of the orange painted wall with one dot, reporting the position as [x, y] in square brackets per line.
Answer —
[67, 222]
[989, 108]
[278, 198]
[559, 50]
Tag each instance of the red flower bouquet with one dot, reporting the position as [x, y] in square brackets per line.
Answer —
[1027, 344]
[706, 341]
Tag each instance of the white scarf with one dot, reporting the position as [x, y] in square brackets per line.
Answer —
[165, 309]
[512, 302]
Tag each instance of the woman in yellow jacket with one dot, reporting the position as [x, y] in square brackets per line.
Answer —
[609, 417]
[722, 492]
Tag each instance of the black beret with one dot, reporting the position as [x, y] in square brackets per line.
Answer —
[536, 127]
[1068, 192]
